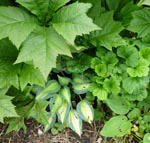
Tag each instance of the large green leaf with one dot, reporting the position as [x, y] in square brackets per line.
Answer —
[8, 71]
[134, 83]
[75, 122]
[72, 20]
[6, 107]
[130, 54]
[16, 24]
[141, 22]
[146, 138]
[37, 7]
[99, 91]
[56, 4]
[109, 35]
[119, 105]
[31, 75]
[43, 47]
[142, 69]
[116, 127]
[39, 113]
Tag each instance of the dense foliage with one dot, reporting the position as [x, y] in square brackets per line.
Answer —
[61, 61]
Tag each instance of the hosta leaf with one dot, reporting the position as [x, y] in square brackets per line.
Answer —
[119, 105]
[130, 54]
[52, 87]
[72, 20]
[74, 122]
[64, 80]
[37, 7]
[16, 24]
[63, 111]
[116, 127]
[31, 75]
[112, 86]
[85, 111]
[56, 105]
[98, 91]
[146, 138]
[81, 87]
[65, 92]
[141, 22]
[46, 44]
[39, 113]
[110, 29]
[51, 122]
[15, 124]
[101, 70]
[145, 54]
[6, 107]
[131, 84]
[142, 69]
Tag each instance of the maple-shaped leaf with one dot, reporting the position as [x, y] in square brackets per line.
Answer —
[37, 7]
[16, 24]
[8, 71]
[142, 69]
[109, 35]
[141, 22]
[15, 124]
[96, 8]
[6, 107]
[42, 47]
[72, 20]
[31, 75]
[39, 113]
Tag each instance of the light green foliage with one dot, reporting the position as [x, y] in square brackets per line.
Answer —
[39, 113]
[16, 124]
[71, 21]
[85, 111]
[119, 105]
[6, 107]
[98, 91]
[130, 54]
[101, 69]
[16, 24]
[46, 41]
[64, 80]
[141, 22]
[116, 127]
[31, 75]
[142, 69]
[65, 92]
[145, 54]
[146, 138]
[37, 7]
[135, 113]
[110, 29]
[74, 122]
[134, 83]
[112, 86]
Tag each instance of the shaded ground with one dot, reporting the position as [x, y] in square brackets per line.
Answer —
[90, 135]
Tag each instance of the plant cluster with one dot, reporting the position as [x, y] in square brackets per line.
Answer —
[61, 61]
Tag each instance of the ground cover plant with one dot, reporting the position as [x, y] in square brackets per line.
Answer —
[63, 62]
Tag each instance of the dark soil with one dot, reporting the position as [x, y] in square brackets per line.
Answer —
[90, 135]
